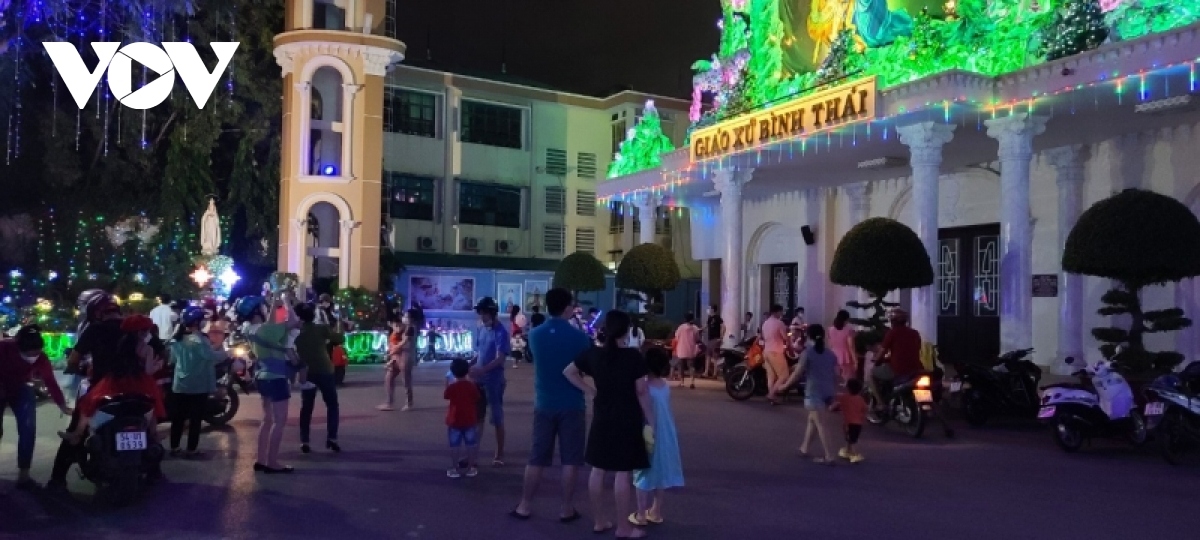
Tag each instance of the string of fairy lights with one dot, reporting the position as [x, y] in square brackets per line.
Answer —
[1154, 83]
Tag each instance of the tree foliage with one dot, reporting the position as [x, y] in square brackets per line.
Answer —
[580, 272]
[649, 269]
[643, 146]
[1138, 238]
[880, 255]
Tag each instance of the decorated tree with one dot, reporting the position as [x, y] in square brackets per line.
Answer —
[1077, 27]
[880, 255]
[643, 146]
[648, 270]
[1131, 19]
[1163, 246]
[580, 272]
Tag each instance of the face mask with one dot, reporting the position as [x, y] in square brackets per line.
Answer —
[31, 359]
[405, 320]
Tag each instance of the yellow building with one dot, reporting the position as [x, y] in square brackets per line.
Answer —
[334, 55]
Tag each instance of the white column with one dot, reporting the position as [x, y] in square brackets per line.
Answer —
[1015, 134]
[1069, 168]
[346, 168]
[860, 209]
[706, 279]
[729, 184]
[925, 141]
[345, 253]
[647, 205]
[627, 238]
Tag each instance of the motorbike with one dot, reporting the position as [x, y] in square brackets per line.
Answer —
[241, 367]
[744, 372]
[120, 459]
[222, 405]
[1006, 386]
[1100, 405]
[910, 401]
[1173, 413]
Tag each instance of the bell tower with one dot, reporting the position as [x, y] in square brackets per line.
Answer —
[335, 55]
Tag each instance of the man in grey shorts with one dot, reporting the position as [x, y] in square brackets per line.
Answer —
[559, 410]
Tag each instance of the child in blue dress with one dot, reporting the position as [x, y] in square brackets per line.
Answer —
[666, 469]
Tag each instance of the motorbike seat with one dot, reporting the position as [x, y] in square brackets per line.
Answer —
[1066, 386]
[126, 405]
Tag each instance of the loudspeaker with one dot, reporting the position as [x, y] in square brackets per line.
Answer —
[807, 233]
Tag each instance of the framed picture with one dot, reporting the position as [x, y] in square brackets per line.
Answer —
[535, 295]
[442, 293]
[509, 294]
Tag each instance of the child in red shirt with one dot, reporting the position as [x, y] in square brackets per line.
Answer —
[854, 414]
[462, 419]
[340, 361]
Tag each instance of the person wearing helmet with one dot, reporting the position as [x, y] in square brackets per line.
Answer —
[194, 357]
[491, 348]
[21, 359]
[97, 348]
[900, 352]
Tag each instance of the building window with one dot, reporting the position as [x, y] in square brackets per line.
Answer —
[556, 162]
[327, 16]
[409, 112]
[662, 220]
[554, 238]
[616, 220]
[491, 125]
[585, 203]
[586, 165]
[585, 239]
[556, 200]
[389, 19]
[618, 135]
[489, 204]
[408, 196]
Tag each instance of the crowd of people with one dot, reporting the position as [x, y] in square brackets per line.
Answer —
[631, 444]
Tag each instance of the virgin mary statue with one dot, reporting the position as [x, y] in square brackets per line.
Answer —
[210, 230]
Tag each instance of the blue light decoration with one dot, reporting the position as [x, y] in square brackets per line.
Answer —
[329, 170]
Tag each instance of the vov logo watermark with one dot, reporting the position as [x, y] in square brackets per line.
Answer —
[172, 58]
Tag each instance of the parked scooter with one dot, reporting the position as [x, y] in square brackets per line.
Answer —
[241, 368]
[744, 372]
[222, 405]
[1101, 405]
[120, 458]
[1173, 412]
[1006, 386]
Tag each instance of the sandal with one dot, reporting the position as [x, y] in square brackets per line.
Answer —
[633, 518]
[517, 515]
[497, 462]
[603, 529]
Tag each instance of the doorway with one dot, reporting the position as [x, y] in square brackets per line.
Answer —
[968, 293]
[782, 287]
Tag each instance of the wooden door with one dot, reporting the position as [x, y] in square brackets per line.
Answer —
[968, 293]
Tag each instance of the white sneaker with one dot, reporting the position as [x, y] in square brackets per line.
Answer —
[453, 473]
[308, 386]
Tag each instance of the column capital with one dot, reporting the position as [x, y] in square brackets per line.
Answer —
[349, 224]
[1015, 133]
[302, 87]
[646, 201]
[351, 88]
[730, 181]
[1067, 162]
[860, 201]
[925, 140]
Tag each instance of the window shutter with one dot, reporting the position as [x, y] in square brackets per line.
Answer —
[585, 203]
[586, 165]
[585, 240]
[556, 200]
[553, 238]
[556, 162]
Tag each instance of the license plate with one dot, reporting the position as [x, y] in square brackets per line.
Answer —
[955, 386]
[1046, 412]
[1154, 409]
[923, 396]
[131, 440]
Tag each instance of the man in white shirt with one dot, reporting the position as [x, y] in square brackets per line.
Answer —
[164, 317]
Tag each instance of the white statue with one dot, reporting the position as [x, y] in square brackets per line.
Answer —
[210, 230]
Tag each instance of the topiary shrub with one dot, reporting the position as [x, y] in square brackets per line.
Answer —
[1137, 238]
[879, 255]
[649, 269]
[580, 272]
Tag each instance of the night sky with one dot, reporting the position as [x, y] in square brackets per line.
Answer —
[586, 46]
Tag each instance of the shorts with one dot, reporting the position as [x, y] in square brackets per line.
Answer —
[569, 427]
[459, 436]
[274, 390]
[491, 396]
[852, 433]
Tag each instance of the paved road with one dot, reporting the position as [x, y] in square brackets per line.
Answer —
[744, 481]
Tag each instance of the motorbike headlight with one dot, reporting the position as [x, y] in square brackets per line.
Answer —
[923, 382]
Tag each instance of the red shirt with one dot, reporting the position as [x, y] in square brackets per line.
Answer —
[111, 386]
[854, 409]
[15, 372]
[904, 345]
[339, 357]
[464, 398]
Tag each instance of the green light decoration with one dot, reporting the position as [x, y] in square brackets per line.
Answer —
[1135, 18]
[643, 147]
[57, 344]
[366, 347]
[1077, 27]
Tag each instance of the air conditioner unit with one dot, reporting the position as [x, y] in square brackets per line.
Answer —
[425, 243]
[470, 244]
[503, 246]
